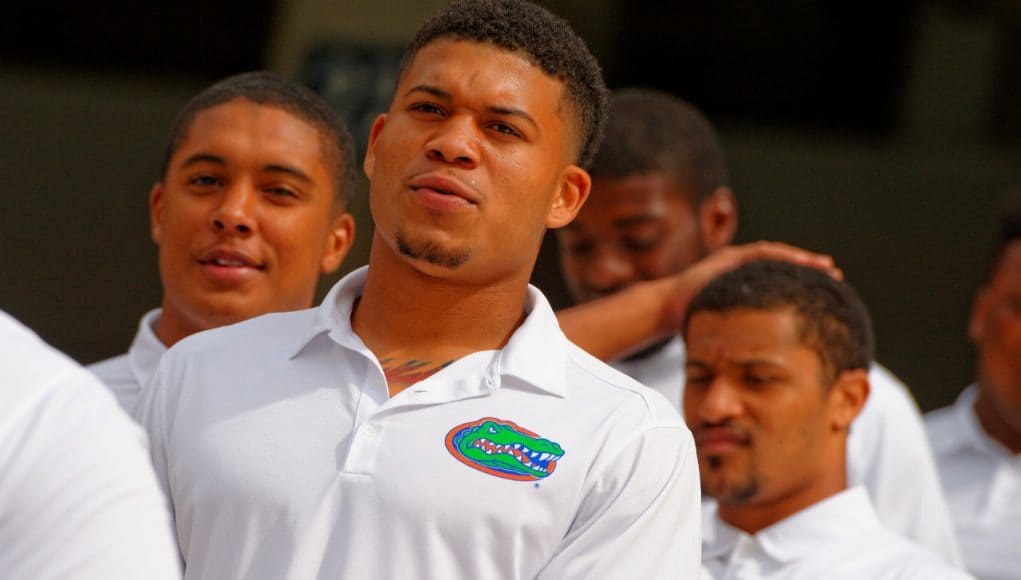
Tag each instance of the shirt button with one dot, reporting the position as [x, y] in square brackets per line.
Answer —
[371, 429]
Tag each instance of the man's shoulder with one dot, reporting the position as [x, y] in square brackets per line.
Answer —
[262, 334]
[888, 555]
[944, 430]
[113, 370]
[35, 372]
[591, 378]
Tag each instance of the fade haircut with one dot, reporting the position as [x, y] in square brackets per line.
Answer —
[544, 39]
[650, 131]
[834, 321]
[272, 90]
[1008, 232]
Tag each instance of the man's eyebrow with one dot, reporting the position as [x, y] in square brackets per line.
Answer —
[513, 112]
[289, 170]
[203, 158]
[429, 89]
[498, 110]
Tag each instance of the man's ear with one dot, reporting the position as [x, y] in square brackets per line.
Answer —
[717, 219]
[847, 397]
[156, 212]
[338, 242]
[575, 185]
[370, 153]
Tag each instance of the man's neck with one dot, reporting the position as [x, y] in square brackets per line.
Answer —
[407, 317]
[991, 418]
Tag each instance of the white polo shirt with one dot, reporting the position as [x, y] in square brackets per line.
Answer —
[78, 498]
[124, 375]
[887, 447]
[839, 538]
[285, 458]
[982, 479]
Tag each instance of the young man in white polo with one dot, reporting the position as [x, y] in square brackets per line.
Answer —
[430, 419]
[777, 370]
[977, 440]
[249, 211]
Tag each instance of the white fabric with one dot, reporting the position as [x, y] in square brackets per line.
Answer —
[982, 479]
[285, 458]
[124, 375]
[662, 370]
[78, 498]
[887, 447]
[838, 538]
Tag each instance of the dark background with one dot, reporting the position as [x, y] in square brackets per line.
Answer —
[882, 133]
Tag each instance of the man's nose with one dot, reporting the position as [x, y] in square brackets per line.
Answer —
[717, 402]
[455, 142]
[235, 213]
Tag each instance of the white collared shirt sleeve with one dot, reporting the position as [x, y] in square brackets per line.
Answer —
[151, 415]
[888, 452]
[640, 516]
[77, 494]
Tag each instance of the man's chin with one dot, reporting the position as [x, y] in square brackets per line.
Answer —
[432, 253]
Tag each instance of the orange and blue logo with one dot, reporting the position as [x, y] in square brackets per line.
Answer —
[502, 448]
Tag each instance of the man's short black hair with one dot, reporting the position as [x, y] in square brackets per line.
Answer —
[834, 321]
[544, 38]
[272, 90]
[1008, 232]
[650, 131]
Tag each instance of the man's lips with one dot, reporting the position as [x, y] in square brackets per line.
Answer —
[711, 440]
[444, 185]
[229, 258]
[228, 268]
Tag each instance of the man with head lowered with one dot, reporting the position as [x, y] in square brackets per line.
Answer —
[661, 202]
[777, 369]
[430, 419]
[249, 210]
[977, 440]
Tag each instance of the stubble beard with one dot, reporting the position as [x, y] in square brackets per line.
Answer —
[734, 489]
[430, 252]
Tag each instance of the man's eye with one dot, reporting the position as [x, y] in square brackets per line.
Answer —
[427, 108]
[281, 192]
[204, 180]
[697, 381]
[641, 244]
[505, 129]
[758, 380]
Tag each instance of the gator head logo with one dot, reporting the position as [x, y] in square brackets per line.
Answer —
[503, 449]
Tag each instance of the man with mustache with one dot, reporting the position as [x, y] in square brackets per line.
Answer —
[430, 419]
[777, 369]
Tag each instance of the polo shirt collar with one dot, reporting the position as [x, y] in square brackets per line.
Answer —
[146, 348]
[806, 532]
[535, 352]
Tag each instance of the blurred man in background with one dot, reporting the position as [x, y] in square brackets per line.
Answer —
[977, 441]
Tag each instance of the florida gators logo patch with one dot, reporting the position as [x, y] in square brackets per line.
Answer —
[501, 448]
